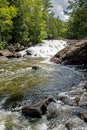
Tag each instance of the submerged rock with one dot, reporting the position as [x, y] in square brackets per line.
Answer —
[74, 54]
[35, 110]
[35, 68]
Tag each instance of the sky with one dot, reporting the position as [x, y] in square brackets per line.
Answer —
[58, 7]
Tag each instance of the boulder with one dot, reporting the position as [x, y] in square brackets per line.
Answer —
[35, 110]
[28, 52]
[18, 47]
[82, 115]
[17, 55]
[73, 54]
[8, 54]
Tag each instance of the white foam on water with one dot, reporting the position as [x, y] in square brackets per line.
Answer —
[42, 127]
[13, 120]
[8, 118]
[46, 49]
[60, 127]
[2, 126]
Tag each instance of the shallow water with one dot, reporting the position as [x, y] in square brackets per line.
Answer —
[20, 85]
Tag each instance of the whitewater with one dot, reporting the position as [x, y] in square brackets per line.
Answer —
[21, 85]
[46, 49]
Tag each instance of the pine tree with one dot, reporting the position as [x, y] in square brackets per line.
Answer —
[77, 25]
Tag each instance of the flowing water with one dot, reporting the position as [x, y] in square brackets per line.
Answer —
[20, 85]
[46, 49]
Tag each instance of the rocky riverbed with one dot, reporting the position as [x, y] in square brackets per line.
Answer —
[25, 81]
[68, 113]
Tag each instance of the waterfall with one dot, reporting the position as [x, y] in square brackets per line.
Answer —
[47, 48]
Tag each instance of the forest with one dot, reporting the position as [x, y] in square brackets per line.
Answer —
[31, 21]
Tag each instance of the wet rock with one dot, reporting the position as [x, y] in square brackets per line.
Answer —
[28, 52]
[35, 67]
[84, 117]
[77, 100]
[52, 111]
[74, 54]
[81, 113]
[36, 110]
[51, 115]
[83, 101]
[68, 126]
[72, 101]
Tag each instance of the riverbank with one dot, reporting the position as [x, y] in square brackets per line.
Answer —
[75, 54]
[47, 48]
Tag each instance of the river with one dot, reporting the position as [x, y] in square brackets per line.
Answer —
[20, 85]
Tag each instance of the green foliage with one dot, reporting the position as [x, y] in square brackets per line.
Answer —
[28, 21]
[77, 25]
[2, 45]
[29, 25]
[54, 27]
[3, 3]
[6, 15]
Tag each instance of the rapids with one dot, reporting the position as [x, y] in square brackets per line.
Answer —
[46, 49]
[20, 85]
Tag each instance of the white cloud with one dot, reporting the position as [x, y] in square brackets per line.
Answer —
[58, 7]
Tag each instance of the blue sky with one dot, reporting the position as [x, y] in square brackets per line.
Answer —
[58, 7]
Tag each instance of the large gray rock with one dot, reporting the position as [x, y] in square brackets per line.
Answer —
[73, 54]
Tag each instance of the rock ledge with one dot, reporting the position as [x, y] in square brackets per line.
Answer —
[75, 54]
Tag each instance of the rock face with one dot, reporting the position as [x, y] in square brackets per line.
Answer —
[35, 110]
[73, 54]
